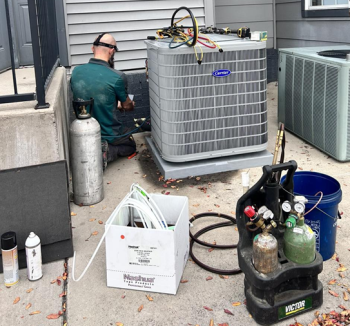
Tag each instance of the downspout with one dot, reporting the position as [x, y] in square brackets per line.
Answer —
[274, 24]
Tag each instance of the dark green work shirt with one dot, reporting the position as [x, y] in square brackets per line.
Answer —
[106, 86]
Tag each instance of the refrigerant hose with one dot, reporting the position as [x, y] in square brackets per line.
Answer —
[194, 238]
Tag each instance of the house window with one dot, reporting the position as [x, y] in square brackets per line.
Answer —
[325, 8]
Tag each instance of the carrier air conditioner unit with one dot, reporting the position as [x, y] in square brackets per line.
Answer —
[217, 108]
[314, 97]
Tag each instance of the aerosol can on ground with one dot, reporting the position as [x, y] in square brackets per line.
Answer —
[10, 258]
[34, 259]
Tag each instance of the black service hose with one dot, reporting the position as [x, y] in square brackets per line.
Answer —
[194, 238]
[195, 29]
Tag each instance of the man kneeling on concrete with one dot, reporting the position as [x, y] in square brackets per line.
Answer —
[98, 80]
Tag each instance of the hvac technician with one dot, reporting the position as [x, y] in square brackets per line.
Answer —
[108, 87]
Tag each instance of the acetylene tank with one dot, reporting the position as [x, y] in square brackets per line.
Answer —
[86, 156]
[265, 245]
[265, 253]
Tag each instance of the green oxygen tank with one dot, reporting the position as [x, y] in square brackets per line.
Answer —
[299, 241]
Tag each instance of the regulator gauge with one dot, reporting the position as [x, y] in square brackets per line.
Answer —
[286, 206]
[268, 215]
[299, 207]
[262, 210]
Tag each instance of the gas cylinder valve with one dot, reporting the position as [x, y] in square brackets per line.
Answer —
[263, 219]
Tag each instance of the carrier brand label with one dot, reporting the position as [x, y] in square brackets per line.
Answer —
[221, 73]
[293, 308]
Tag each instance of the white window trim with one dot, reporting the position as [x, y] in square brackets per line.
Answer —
[308, 6]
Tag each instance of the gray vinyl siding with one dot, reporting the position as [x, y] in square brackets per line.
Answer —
[256, 14]
[129, 21]
[295, 31]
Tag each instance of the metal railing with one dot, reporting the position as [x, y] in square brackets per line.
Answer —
[43, 28]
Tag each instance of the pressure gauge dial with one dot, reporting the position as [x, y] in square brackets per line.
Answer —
[299, 207]
[268, 215]
[262, 210]
[286, 206]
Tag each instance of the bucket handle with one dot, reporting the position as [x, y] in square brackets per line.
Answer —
[339, 215]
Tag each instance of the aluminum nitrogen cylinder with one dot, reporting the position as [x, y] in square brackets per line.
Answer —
[10, 258]
[86, 161]
[265, 253]
[33, 255]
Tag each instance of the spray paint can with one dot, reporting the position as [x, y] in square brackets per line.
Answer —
[10, 258]
[33, 254]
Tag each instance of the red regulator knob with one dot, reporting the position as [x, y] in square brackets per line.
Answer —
[249, 211]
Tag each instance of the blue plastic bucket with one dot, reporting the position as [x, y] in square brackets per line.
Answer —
[323, 219]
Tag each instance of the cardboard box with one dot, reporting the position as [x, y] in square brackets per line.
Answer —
[148, 259]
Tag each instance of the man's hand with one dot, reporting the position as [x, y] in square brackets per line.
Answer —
[128, 105]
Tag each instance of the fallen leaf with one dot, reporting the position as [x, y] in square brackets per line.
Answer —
[63, 294]
[29, 290]
[331, 282]
[165, 186]
[195, 205]
[54, 281]
[233, 213]
[216, 205]
[123, 296]
[345, 296]
[167, 193]
[334, 256]
[228, 312]
[316, 313]
[223, 277]
[16, 300]
[109, 182]
[211, 322]
[183, 281]
[100, 222]
[342, 307]
[173, 187]
[149, 298]
[28, 306]
[144, 176]
[235, 304]
[333, 293]
[236, 228]
[341, 275]
[178, 181]
[53, 316]
[73, 214]
[59, 282]
[198, 178]
[91, 206]
[208, 278]
[94, 233]
[349, 290]
[140, 308]
[210, 249]
[119, 324]
[207, 308]
[34, 312]
[341, 269]
[300, 168]
[224, 324]
[92, 219]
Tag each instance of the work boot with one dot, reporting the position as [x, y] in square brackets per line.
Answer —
[104, 146]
